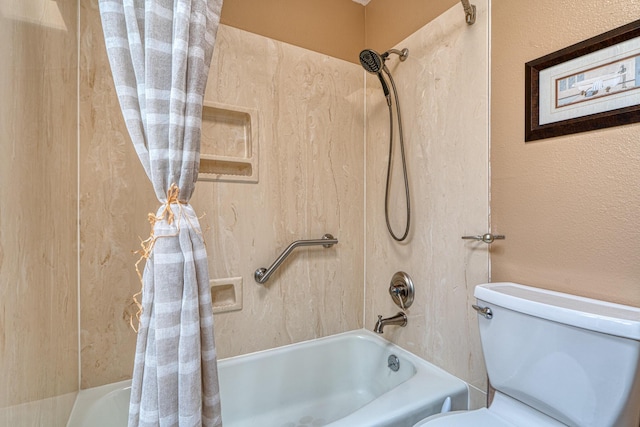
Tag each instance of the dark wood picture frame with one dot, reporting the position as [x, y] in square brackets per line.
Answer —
[620, 116]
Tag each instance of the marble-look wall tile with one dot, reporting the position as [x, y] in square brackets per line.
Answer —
[311, 133]
[38, 214]
[443, 88]
[310, 109]
[115, 197]
[477, 398]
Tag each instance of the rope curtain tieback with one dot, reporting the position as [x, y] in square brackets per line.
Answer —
[146, 246]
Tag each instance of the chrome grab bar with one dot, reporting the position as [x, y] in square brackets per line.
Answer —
[487, 238]
[262, 274]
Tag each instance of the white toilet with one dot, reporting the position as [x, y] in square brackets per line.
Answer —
[555, 360]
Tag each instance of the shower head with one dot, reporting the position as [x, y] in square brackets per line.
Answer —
[373, 63]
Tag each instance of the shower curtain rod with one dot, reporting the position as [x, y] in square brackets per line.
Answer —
[469, 11]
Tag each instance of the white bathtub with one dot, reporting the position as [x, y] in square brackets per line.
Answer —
[338, 381]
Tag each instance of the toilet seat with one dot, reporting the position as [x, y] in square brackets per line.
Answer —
[504, 412]
[478, 418]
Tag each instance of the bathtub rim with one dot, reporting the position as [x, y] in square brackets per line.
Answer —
[423, 369]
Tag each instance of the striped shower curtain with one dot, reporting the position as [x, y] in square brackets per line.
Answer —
[160, 51]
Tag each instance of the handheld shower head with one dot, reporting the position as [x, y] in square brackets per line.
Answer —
[373, 63]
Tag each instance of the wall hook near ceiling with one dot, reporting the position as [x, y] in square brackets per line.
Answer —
[469, 11]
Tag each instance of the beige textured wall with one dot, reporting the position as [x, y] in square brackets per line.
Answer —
[340, 28]
[568, 205]
[332, 27]
[443, 90]
[310, 182]
[38, 248]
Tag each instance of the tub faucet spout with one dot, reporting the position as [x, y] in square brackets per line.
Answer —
[399, 319]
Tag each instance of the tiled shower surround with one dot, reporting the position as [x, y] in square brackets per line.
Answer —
[322, 145]
[38, 213]
[443, 88]
[311, 182]
[316, 170]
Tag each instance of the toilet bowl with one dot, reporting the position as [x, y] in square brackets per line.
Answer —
[555, 360]
[480, 418]
[504, 412]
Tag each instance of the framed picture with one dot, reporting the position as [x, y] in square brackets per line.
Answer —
[591, 85]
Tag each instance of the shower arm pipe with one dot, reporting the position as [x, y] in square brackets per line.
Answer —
[469, 11]
[262, 274]
[402, 54]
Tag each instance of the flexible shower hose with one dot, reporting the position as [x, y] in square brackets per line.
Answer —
[404, 165]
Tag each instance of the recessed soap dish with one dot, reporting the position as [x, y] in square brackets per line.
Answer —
[226, 294]
[229, 143]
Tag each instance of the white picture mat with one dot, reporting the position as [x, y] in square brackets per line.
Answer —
[550, 114]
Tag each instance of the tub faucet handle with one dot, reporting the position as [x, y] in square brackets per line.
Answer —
[402, 290]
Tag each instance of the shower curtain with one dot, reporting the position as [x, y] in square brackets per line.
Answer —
[160, 52]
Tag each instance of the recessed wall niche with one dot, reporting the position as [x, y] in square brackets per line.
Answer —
[229, 143]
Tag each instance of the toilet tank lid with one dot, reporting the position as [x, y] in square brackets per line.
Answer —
[595, 315]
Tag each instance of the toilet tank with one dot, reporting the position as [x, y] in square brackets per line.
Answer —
[574, 359]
